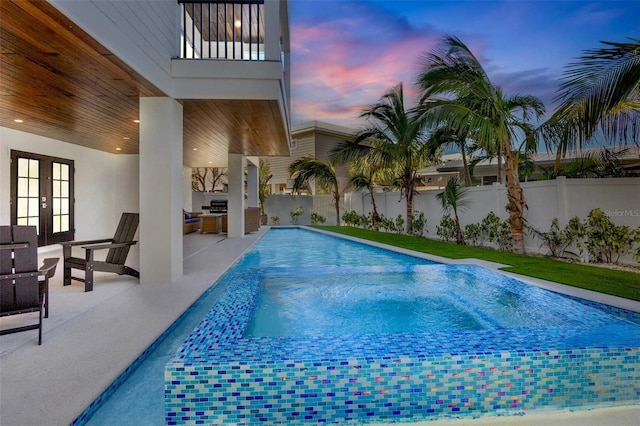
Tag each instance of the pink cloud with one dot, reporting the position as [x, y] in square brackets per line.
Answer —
[336, 72]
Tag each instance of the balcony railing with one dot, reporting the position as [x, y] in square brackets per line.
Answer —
[231, 30]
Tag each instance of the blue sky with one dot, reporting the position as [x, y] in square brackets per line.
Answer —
[346, 54]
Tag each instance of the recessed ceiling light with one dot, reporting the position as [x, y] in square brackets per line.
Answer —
[17, 120]
[126, 138]
[195, 149]
[136, 121]
[118, 149]
[210, 162]
[238, 23]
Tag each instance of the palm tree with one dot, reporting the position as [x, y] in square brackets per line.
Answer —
[446, 135]
[457, 91]
[453, 198]
[364, 175]
[264, 176]
[323, 173]
[393, 141]
[600, 93]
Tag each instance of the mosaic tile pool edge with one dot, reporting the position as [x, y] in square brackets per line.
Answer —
[404, 389]
[212, 387]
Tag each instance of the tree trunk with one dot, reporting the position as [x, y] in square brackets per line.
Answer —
[499, 177]
[516, 202]
[375, 218]
[409, 209]
[336, 199]
[459, 239]
[467, 175]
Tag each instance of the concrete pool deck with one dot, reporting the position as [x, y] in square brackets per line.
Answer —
[90, 338]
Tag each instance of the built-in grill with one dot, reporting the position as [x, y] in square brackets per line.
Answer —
[218, 206]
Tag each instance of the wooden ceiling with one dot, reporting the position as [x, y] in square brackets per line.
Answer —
[214, 128]
[64, 85]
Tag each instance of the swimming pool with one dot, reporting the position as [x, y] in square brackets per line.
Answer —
[221, 375]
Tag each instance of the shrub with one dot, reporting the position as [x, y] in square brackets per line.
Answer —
[367, 221]
[295, 214]
[504, 237]
[317, 218]
[558, 240]
[399, 223]
[275, 220]
[417, 224]
[607, 242]
[386, 224]
[447, 228]
[497, 231]
[350, 218]
[473, 234]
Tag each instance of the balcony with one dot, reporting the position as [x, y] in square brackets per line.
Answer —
[222, 30]
[232, 71]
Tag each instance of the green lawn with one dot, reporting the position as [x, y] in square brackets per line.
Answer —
[618, 283]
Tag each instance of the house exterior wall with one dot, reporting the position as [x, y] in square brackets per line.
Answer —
[143, 34]
[279, 166]
[324, 144]
[313, 139]
[105, 184]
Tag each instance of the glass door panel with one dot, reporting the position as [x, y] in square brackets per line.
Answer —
[42, 195]
[28, 208]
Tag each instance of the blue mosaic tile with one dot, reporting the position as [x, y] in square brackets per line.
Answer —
[393, 377]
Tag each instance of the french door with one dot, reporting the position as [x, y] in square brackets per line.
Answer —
[42, 195]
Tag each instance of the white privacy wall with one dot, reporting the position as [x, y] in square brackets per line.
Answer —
[105, 184]
[561, 198]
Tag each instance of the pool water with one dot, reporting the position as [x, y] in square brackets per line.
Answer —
[302, 249]
[413, 299]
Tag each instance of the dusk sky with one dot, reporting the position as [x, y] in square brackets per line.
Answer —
[346, 54]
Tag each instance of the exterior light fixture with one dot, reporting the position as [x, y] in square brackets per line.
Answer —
[118, 149]
[17, 120]
[136, 121]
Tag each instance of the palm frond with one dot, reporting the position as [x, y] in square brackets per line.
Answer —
[599, 93]
[309, 168]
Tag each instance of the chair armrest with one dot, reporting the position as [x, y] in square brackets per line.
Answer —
[18, 275]
[48, 268]
[109, 246]
[79, 243]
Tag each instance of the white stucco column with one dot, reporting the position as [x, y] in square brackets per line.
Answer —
[252, 183]
[235, 219]
[272, 30]
[161, 194]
